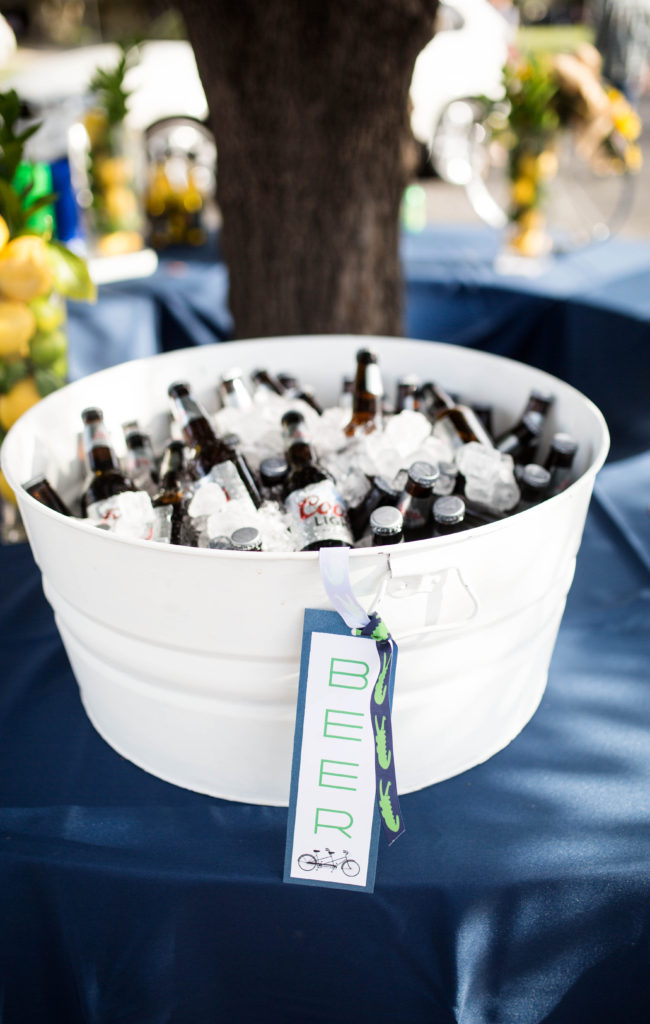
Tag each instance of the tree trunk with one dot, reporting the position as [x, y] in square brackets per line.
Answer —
[308, 102]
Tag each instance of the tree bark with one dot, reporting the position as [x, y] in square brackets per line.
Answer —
[308, 105]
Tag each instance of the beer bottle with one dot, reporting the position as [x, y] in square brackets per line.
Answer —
[408, 394]
[172, 494]
[293, 389]
[452, 514]
[266, 381]
[453, 422]
[317, 511]
[387, 525]
[367, 395]
[246, 538]
[273, 474]
[140, 461]
[233, 392]
[41, 489]
[522, 440]
[448, 515]
[213, 458]
[534, 484]
[381, 492]
[559, 461]
[107, 480]
[416, 499]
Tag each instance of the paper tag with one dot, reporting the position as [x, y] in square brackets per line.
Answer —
[333, 823]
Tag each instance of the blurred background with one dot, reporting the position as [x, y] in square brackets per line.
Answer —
[60, 44]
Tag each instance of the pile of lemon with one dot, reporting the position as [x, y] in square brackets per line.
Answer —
[34, 278]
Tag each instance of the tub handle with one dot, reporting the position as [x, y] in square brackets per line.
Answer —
[403, 584]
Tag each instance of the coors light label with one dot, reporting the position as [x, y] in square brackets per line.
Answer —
[317, 513]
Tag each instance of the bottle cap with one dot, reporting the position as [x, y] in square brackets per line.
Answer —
[564, 444]
[288, 381]
[423, 473]
[91, 414]
[537, 395]
[535, 477]
[386, 521]
[364, 355]
[246, 538]
[533, 421]
[449, 510]
[234, 373]
[273, 470]
[448, 468]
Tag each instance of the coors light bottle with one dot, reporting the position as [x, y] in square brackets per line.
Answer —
[318, 515]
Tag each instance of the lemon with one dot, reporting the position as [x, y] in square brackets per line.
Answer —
[96, 124]
[49, 311]
[5, 490]
[25, 271]
[119, 242]
[523, 191]
[4, 233]
[121, 204]
[113, 170]
[531, 242]
[17, 325]
[547, 164]
[22, 397]
[45, 349]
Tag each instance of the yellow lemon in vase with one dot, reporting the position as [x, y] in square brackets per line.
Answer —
[22, 397]
[17, 325]
[25, 269]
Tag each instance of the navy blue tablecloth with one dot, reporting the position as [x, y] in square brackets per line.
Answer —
[519, 895]
[521, 891]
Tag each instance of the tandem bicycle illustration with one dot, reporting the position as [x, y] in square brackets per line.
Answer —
[328, 859]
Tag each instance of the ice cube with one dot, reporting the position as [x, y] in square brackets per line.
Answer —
[208, 497]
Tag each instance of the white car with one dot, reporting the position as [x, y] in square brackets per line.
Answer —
[463, 61]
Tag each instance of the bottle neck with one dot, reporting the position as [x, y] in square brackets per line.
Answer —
[98, 450]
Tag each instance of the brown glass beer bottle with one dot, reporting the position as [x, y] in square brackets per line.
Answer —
[317, 511]
[213, 458]
[41, 489]
[106, 477]
[367, 395]
[453, 422]
[172, 493]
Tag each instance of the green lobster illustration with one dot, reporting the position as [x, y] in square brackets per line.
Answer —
[386, 808]
[383, 755]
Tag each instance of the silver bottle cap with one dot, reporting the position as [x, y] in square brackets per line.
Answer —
[386, 520]
[423, 473]
[449, 510]
[535, 476]
[246, 538]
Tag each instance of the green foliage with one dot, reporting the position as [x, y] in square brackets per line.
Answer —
[15, 206]
[532, 92]
[107, 85]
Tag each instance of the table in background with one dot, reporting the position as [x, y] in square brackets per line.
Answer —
[586, 320]
[519, 894]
